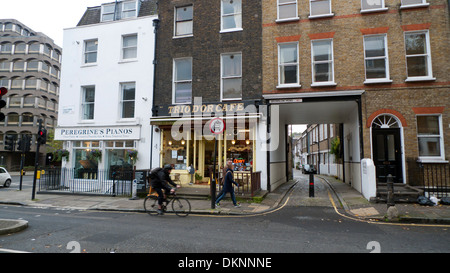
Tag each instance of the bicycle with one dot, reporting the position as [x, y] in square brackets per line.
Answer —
[180, 205]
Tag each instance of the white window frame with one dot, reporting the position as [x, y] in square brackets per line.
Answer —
[291, 2]
[119, 11]
[407, 6]
[175, 81]
[175, 22]
[441, 141]
[88, 52]
[280, 65]
[135, 9]
[428, 55]
[85, 104]
[130, 47]
[386, 58]
[382, 8]
[222, 78]
[327, 83]
[107, 13]
[222, 29]
[122, 100]
[330, 14]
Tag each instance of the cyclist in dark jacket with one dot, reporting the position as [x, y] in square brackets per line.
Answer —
[162, 183]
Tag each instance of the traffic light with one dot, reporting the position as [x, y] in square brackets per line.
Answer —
[42, 136]
[24, 144]
[27, 143]
[9, 142]
[3, 92]
[20, 145]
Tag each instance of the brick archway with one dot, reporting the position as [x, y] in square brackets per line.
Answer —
[398, 115]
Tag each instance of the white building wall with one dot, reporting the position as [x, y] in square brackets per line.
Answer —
[107, 75]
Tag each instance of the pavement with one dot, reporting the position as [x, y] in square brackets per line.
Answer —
[329, 191]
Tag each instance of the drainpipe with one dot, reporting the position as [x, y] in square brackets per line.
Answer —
[115, 11]
[156, 26]
[268, 150]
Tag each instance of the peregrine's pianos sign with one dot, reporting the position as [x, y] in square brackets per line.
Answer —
[129, 132]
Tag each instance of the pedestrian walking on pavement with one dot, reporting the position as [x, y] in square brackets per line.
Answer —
[228, 187]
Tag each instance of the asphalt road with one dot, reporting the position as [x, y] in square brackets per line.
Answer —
[293, 229]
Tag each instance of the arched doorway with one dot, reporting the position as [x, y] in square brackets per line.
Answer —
[387, 147]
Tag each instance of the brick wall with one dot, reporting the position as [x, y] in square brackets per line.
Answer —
[347, 27]
[205, 47]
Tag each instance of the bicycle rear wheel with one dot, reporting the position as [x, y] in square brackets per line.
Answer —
[181, 206]
[151, 205]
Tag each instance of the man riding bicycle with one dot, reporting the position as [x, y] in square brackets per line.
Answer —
[161, 183]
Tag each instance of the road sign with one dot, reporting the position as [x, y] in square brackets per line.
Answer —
[217, 126]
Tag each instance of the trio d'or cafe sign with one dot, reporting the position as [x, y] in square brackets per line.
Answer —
[206, 109]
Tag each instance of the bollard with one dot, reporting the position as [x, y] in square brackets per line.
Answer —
[134, 190]
[311, 185]
[390, 191]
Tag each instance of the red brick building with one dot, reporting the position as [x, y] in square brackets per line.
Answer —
[388, 60]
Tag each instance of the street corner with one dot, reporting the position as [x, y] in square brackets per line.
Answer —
[8, 226]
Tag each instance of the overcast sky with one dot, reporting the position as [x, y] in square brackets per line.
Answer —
[47, 16]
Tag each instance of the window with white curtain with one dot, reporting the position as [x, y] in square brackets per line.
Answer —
[320, 8]
[231, 15]
[231, 76]
[372, 5]
[184, 20]
[287, 9]
[413, 3]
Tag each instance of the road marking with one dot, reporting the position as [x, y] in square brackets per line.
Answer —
[378, 222]
[12, 251]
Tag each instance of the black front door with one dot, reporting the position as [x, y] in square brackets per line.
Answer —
[387, 154]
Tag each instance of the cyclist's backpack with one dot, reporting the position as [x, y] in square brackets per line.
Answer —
[154, 173]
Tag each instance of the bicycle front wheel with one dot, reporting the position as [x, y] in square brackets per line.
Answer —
[181, 206]
[151, 205]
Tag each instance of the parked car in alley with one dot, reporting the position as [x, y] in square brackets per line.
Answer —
[308, 168]
[5, 178]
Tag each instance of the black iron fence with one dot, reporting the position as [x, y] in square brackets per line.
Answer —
[87, 181]
[435, 178]
[249, 182]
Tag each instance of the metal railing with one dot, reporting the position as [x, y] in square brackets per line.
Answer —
[249, 182]
[87, 181]
[435, 179]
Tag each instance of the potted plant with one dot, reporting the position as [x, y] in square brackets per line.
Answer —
[95, 155]
[60, 154]
[132, 154]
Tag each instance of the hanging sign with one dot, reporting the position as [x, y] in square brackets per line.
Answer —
[217, 126]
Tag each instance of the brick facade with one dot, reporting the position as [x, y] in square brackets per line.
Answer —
[206, 46]
[347, 28]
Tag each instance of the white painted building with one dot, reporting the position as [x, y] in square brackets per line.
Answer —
[107, 87]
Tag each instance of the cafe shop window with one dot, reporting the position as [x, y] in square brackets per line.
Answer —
[84, 165]
[174, 149]
[240, 147]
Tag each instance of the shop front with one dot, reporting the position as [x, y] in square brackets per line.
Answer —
[95, 157]
[186, 141]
